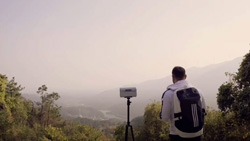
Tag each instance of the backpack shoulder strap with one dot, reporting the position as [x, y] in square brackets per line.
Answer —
[162, 100]
[165, 92]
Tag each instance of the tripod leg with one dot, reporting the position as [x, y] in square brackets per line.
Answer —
[132, 133]
[126, 133]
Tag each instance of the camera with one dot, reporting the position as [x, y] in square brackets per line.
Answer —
[128, 92]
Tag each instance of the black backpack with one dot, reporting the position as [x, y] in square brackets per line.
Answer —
[188, 112]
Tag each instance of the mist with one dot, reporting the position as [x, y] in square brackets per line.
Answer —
[92, 46]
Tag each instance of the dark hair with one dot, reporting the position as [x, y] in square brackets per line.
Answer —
[179, 72]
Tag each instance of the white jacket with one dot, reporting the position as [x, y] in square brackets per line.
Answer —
[167, 109]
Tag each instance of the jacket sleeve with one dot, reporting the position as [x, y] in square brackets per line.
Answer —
[166, 107]
[204, 103]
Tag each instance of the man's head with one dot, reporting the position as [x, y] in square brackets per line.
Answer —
[178, 73]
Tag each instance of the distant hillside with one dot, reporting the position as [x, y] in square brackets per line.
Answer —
[207, 79]
[81, 112]
[108, 104]
[98, 123]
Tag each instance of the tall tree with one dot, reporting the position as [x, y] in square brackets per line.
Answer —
[5, 114]
[234, 95]
[17, 104]
[13, 89]
[52, 108]
[48, 107]
[42, 91]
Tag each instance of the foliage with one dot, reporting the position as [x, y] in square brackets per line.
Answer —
[5, 114]
[16, 103]
[154, 128]
[54, 133]
[243, 75]
[13, 89]
[19, 132]
[226, 97]
[219, 126]
[120, 133]
[233, 99]
[22, 119]
[234, 96]
[76, 131]
[47, 106]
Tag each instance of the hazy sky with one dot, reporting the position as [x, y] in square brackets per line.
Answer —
[102, 44]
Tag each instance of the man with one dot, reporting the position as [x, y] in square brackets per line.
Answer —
[167, 110]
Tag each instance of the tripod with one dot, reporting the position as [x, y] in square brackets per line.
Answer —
[128, 123]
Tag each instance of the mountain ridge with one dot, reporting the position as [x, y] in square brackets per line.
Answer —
[207, 78]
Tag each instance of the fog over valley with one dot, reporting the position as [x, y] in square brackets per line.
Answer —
[108, 104]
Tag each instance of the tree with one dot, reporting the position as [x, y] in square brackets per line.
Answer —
[5, 114]
[234, 96]
[120, 133]
[76, 131]
[54, 133]
[154, 128]
[52, 108]
[42, 91]
[223, 127]
[48, 107]
[13, 89]
[15, 101]
[226, 97]
[243, 75]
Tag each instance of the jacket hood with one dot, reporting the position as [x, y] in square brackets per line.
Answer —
[178, 84]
